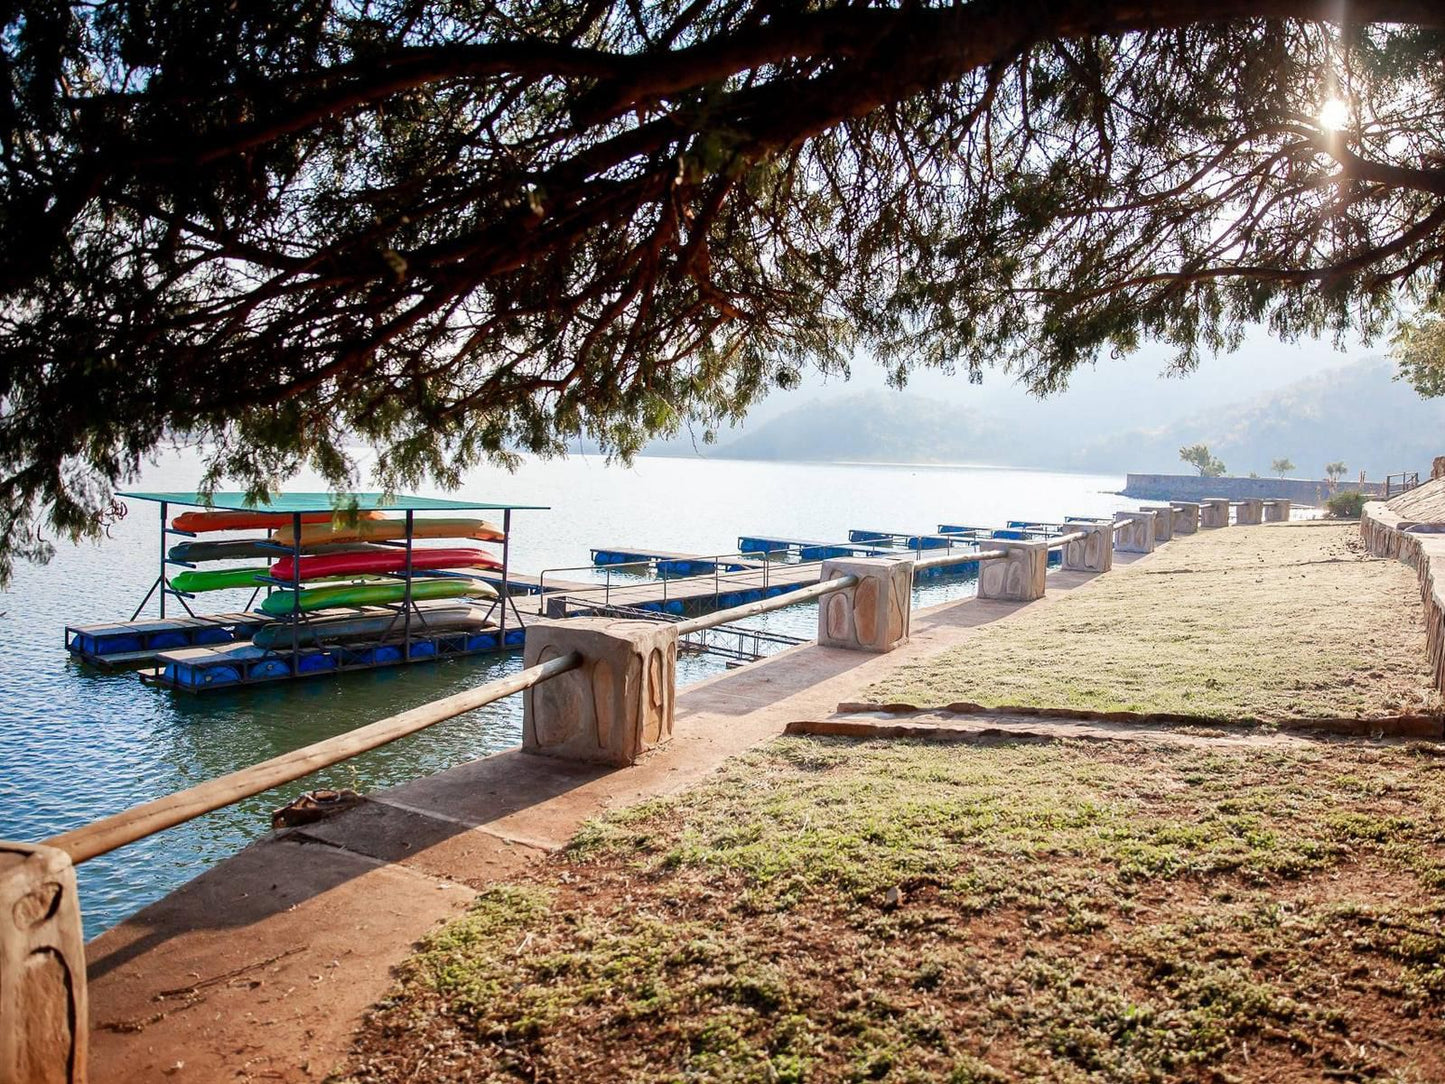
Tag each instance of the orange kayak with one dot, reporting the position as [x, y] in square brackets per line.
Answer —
[389, 560]
[392, 530]
[200, 522]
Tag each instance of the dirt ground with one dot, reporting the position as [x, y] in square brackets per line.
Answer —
[824, 909]
[1153, 905]
[1251, 623]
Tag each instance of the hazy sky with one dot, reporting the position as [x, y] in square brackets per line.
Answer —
[1112, 391]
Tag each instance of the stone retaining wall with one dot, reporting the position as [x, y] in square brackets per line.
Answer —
[1193, 487]
[1425, 552]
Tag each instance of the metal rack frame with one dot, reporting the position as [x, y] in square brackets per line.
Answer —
[406, 611]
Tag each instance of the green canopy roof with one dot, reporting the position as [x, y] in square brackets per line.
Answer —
[325, 502]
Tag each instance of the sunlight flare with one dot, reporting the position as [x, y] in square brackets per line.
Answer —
[1334, 114]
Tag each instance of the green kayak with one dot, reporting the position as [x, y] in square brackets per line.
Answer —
[373, 594]
[218, 579]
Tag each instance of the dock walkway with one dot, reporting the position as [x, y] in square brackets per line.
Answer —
[129, 644]
[670, 563]
[686, 595]
[805, 549]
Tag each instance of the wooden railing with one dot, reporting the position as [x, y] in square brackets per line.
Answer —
[138, 822]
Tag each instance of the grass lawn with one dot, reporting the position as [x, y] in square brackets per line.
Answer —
[1227, 910]
[1248, 623]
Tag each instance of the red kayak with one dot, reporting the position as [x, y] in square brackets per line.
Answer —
[200, 522]
[392, 559]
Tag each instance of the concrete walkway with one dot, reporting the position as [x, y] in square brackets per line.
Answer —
[261, 968]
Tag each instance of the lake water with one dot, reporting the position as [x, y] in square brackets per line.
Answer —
[76, 744]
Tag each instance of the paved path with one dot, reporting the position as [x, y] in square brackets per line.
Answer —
[261, 968]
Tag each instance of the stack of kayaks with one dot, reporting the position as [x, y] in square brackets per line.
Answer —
[352, 572]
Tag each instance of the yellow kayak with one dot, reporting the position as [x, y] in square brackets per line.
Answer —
[391, 530]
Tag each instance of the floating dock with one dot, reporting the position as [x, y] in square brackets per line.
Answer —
[669, 563]
[685, 595]
[129, 644]
[702, 593]
[194, 652]
[805, 550]
[977, 534]
[196, 669]
[197, 652]
[1017, 531]
[914, 542]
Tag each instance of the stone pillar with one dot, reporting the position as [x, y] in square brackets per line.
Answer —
[1251, 511]
[873, 616]
[1092, 553]
[1215, 512]
[1276, 511]
[44, 1022]
[613, 708]
[1018, 576]
[1137, 535]
[1163, 521]
[1186, 518]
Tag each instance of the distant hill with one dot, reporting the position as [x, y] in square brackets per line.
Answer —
[1356, 413]
[876, 427]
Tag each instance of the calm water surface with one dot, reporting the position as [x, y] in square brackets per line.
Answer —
[76, 744]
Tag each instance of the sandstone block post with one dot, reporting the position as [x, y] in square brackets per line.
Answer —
[1019, 575]
[1214, 513]
[1250, 511]
[874, 615]
[1276, 511]
[613, 708]
[1186, 516]
[1164, 517]
[1137, 534]
[1092, 553]
[43, 1017]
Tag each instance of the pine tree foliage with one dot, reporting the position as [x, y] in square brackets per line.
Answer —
[457, 231]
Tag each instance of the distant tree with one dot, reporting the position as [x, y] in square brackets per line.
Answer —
[1420, 353]
[1199, 457]
[1281, 466]
[1336, 470]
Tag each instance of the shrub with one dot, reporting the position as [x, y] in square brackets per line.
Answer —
[1346, 505]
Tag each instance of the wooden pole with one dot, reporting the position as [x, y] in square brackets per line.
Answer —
[44, 1022]
[109, 833]
[959, 559]
[777, 602]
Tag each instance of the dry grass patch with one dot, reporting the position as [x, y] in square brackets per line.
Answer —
[1261, 623]
[823, 910]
